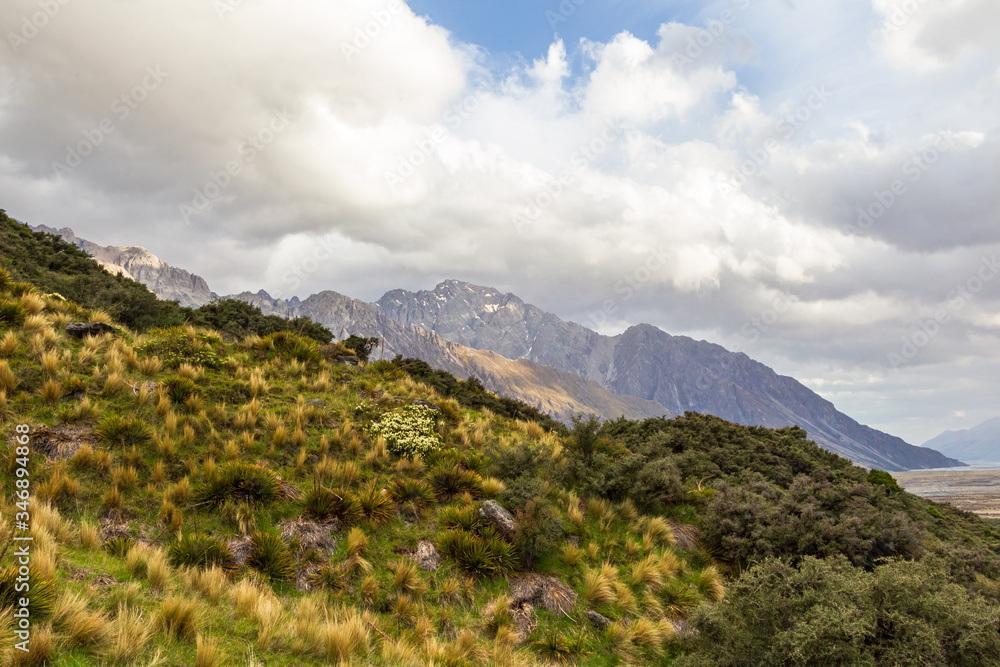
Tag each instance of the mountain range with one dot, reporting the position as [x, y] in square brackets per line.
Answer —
[563, 368]
[979, 443]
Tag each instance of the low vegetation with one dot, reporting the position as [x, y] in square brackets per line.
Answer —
[235, 496]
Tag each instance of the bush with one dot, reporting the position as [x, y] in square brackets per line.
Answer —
[539, 529]
[271, 557]
[240, 482]
[362, 347]
[178, 345]
[409, 432]
[657, 485]
[323, 504]
[291, 346]
[202, 551]
[882, 478]
[827, 612]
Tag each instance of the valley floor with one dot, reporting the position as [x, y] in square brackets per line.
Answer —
[973, 490]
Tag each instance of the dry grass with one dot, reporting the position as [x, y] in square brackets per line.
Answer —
[646, 573]
[598, 587]
[178, 618]
[341, 640]
[659, 532]
[207, 653]
[709, 584]
[8, 345]
[79, 626]
[8, 380]
[269, 615]
[571, 554]
[90, 538]
[191, 372]
[211, 584]
[50, 362]
[51, 391]
[40, 651]
[130, 634]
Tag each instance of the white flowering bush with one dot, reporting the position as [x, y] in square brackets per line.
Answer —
[409, 431]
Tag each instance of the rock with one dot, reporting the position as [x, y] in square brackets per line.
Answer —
[427, 404]
[315, 402]
[348, 359]
[84, 329]
[501, 519]
[683, 628]
[427, 556]
[598, 621]
[546, 592]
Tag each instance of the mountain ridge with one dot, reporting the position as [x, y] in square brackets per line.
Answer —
[560, 367]
[979, 443]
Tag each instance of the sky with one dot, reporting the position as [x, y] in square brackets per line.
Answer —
[812, 183]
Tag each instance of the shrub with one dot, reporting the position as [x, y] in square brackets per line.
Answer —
[829, 612]
[12, 314]
[240, 482]
[271, 557]
[657, 485]
[461, 518]
[538, 530]
[178, 345]
[291, 346]
[362, 347]
[202, 551]
[557, 647]
[882, 478]
[119, 546]
[118, 430]
[323, 504]
[409, 432]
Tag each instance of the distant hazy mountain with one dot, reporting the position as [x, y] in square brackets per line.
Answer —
[980, 443]
[135, 262]
[521, 351]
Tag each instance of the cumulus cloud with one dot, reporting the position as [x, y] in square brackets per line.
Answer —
[742, 151]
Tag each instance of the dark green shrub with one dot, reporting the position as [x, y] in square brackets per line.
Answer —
[291, 346]
[178, 345]
[323, 504]
[657, 485]
[827, 612]
[271, 557]
[202, 551]
[362, 347]
[539, 528]
[118, 430]
[882, 478]
[330, 578]
[240, 482]
[557, 647]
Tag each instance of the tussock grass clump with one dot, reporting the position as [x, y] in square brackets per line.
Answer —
[119, 546]
[130, 634]
[202, 551]
[40, 651]
[8, 379]
[240, 482]
[43, 593]
[376, 505]
[207, 653]
[8, 345]
[555, 646]
[178, 618]
[271, 557]
[118, 430]
[678, 598]
[485, 555]
[415, 495]
[90, 538]
[323, 504]
[709, 584]
[210, 583]
[450, 481]
[599, 587]
[341, 640]
[78, 625]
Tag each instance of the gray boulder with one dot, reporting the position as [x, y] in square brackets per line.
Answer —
[501, 519]
[84, 329]
[597, 620]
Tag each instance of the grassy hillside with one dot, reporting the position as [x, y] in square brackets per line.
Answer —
[200, 498]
